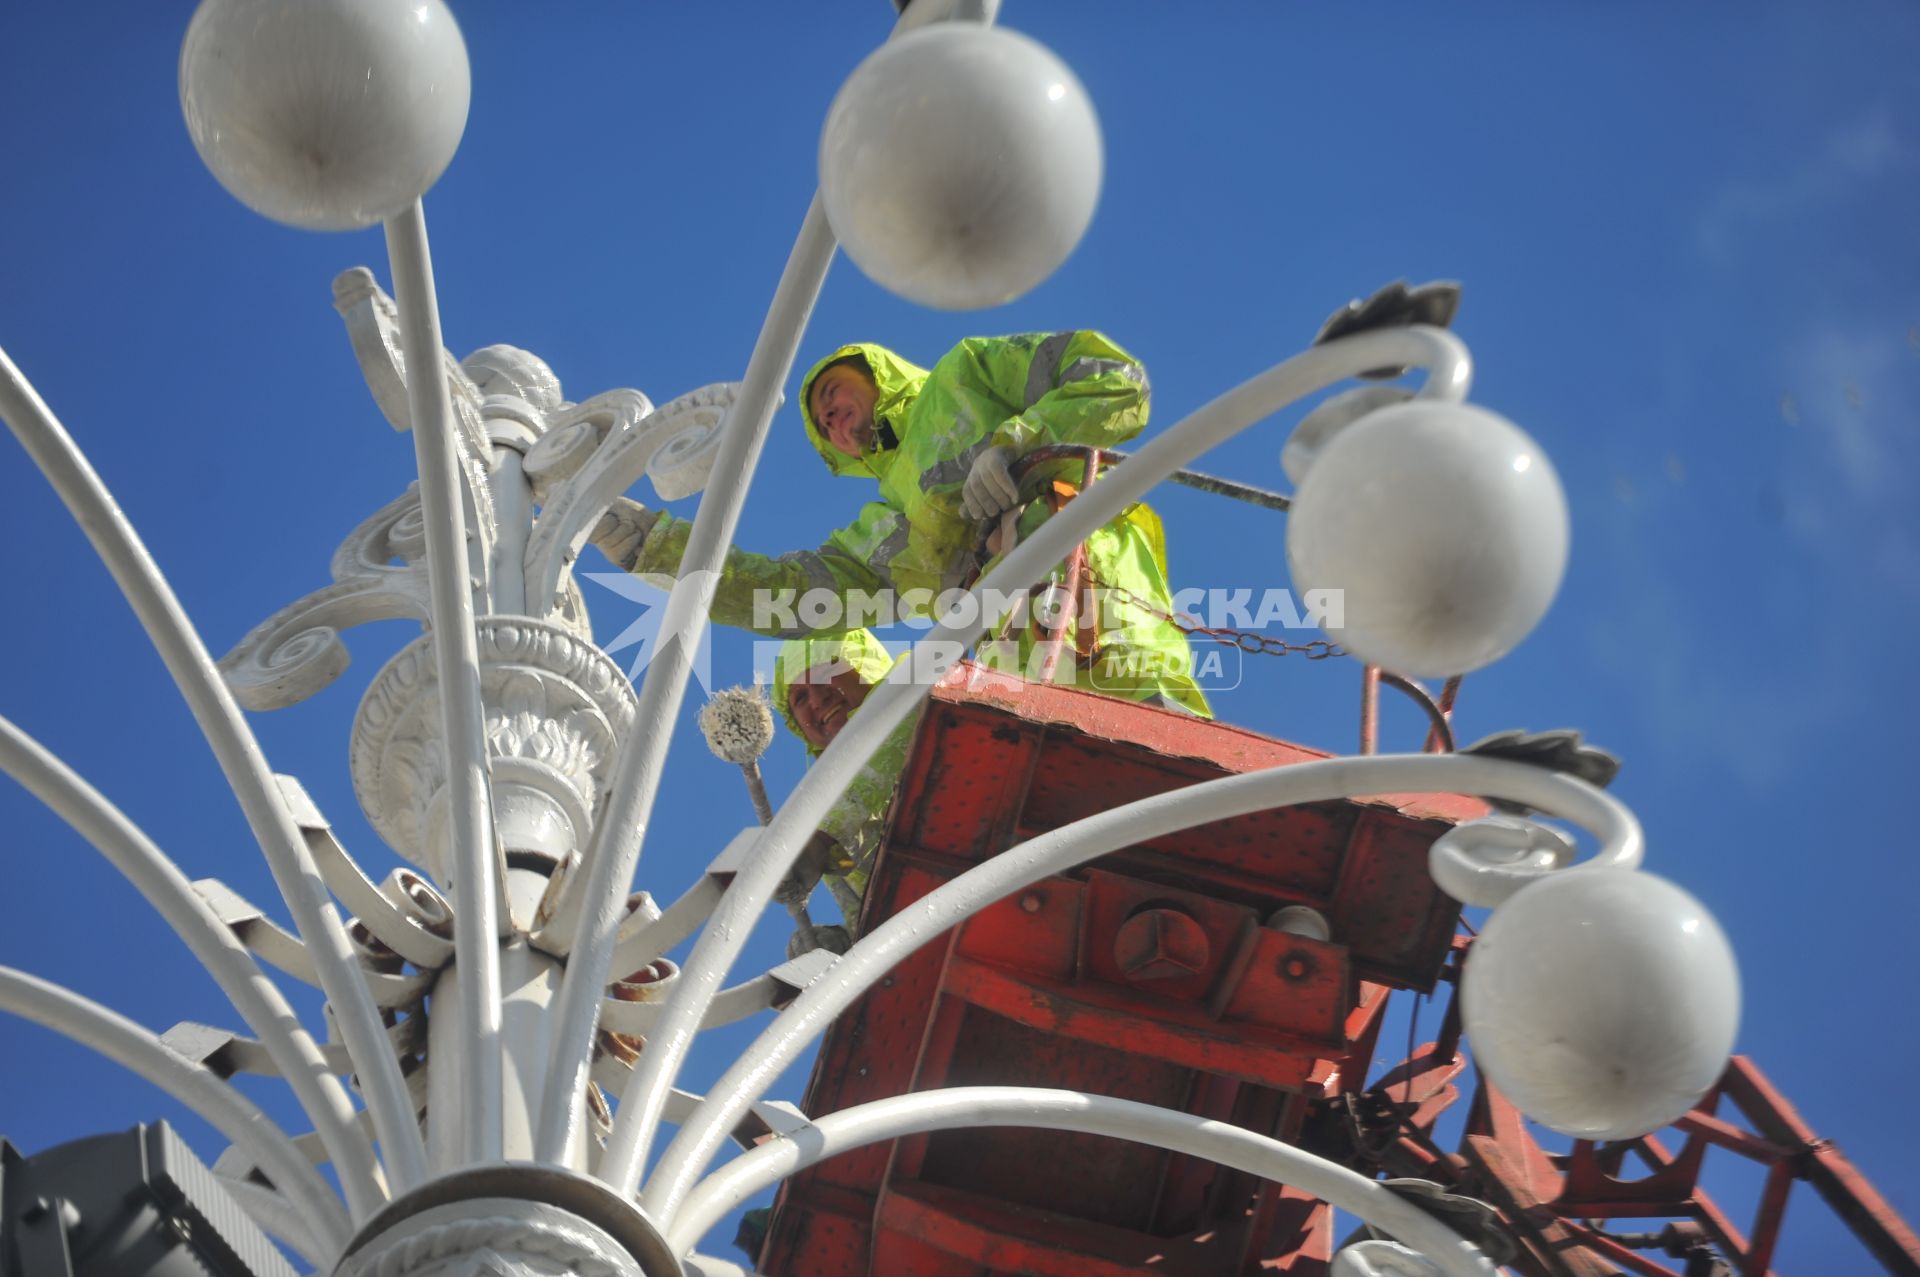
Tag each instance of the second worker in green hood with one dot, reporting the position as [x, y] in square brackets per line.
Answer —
[942, 443]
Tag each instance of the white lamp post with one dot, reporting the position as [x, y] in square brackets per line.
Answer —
[511, 762]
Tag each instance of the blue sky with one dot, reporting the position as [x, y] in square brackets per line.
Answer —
[1689, 267]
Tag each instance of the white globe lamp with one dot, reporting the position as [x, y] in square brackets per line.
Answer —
[960, 165]
[1602, 1002]
[325, 114]
[1443, 527]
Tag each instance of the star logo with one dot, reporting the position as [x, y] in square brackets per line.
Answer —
[662, 624]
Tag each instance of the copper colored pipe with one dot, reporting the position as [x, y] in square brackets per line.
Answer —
[1370, 709]
[1076, 570]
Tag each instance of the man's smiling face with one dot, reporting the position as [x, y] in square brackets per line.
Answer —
[841, 400]
[822, 699]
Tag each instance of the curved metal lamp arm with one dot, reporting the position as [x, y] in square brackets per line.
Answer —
[231, 1113]
[1060, 850]
[974, 1106]
[238, 754]
[1252, 401]
[1438, 727]
[256, 997]
[474, 860]
[617, 839]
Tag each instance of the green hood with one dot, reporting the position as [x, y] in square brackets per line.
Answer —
[859, 651]
[897, 382]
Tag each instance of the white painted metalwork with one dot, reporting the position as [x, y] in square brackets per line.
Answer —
[611, 860]
[234, 746]
[514, 763]
[1061, 849]
[256, 998]
[194, 1085]
[473, 858]
[974, 1106]
[887, 705]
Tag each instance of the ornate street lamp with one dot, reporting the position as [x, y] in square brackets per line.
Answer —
[513, 765]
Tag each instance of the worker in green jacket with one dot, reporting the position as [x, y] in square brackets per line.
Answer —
[942, 444]
[818, 684]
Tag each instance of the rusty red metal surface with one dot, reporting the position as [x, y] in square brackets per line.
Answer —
[1562, 1208]
[1149, 974]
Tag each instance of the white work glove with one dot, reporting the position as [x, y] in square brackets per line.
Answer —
[989, 488]
[622, 531]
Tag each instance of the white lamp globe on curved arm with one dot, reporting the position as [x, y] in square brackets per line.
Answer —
[1602, 1002]
[1445, 529]
[960, 165]
[325, 114]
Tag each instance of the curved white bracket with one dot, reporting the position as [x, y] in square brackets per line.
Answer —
[769, 992]
[599, 449]
[396, 928]
[297, 651]
[273, 944]
[642, 938]
[1482, 862]
[636, 947]
[227, 1053]
[373, 326]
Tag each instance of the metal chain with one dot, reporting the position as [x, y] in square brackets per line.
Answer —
[1245, 640]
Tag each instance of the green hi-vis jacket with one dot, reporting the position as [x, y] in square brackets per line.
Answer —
[1021, 391]
[858, 817]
